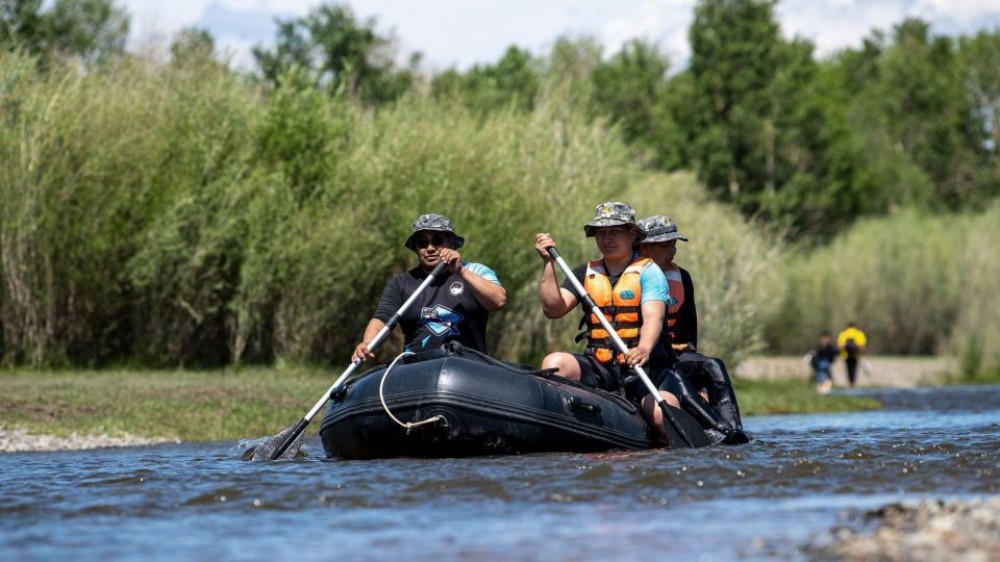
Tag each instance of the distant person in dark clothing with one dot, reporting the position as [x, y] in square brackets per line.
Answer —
[700, 382]
[852, 343]
[821, 359]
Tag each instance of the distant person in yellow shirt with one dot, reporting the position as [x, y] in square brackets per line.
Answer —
[851, 342]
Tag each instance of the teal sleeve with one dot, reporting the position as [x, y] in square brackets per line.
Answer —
[482, 271]
[654, 284]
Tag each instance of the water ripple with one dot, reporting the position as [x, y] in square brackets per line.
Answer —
[717, 503]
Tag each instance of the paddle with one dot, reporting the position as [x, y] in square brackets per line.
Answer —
[290, 436]
[676, 436]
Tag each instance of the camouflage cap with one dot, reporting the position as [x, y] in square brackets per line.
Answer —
[436, 223]
[660, 229]
[613, 213]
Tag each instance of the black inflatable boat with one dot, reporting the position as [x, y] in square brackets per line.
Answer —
[456, 402]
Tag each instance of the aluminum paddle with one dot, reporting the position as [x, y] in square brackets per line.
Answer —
[290, 436]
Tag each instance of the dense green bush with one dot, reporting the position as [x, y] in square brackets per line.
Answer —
[915, 283]
[975, 336]
[734, 264]
[178, 215]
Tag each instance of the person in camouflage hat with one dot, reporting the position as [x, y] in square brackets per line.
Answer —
[633, 293]
[433, 222]
[612, 213]
[680, 367]
[454, 307]
[659, 229]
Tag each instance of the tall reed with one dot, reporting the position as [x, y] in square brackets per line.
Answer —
[915, 283]
[975, 337]
[175, 215]
[179, 215]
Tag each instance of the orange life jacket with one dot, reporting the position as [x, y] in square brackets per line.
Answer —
[674, 303]
[620, 304]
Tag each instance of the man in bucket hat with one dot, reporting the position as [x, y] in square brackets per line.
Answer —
[455, 307]
[683, 370]
[630, 290]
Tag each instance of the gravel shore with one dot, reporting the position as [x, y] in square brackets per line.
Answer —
[934, 530]
[19, 440]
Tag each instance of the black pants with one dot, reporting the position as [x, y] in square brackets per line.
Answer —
[708, 373]
[852, 370]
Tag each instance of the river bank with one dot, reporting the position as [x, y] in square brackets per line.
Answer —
[46, 411]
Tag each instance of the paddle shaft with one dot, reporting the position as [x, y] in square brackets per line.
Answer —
[372, 346]
[591, 307]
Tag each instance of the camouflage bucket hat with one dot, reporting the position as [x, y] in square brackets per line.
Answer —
[660, 229]
[612, 213]
[436, 223]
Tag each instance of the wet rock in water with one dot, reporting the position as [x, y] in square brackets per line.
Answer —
[932, 531]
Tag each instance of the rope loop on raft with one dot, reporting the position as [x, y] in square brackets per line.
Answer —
[381, 395]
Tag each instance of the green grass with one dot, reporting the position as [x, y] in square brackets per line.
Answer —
[186, 405]
[916, 283]
[795, 397]
[249, 402]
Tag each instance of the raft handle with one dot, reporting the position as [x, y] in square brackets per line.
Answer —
[575, 403]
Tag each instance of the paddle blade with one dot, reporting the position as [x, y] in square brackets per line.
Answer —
[268, 445]
[682, 430]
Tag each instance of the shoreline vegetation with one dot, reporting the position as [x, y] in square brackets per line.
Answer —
[76, 409]
[167, 214]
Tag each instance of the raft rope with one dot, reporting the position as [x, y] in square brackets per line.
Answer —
[408, 425]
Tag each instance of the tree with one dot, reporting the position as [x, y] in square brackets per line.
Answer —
[630, 89]
[813, 147]
[980, 56]
[91, 30]
[192, 44]
[734, 60]
[484, 88]
[928, 112]
[21, 25]
[343, 55]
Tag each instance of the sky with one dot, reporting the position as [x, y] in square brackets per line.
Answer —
[463, 33]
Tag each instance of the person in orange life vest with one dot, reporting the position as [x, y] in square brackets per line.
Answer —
[701, 383]
[454, 307]
[631, 292]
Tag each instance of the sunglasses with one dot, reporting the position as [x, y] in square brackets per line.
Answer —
[424, 242]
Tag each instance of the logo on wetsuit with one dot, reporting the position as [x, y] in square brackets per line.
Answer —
[441, 320]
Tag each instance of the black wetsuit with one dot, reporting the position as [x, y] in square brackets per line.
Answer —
[446, 311]
[687, 373]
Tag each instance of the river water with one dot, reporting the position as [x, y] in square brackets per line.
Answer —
[763, 501]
